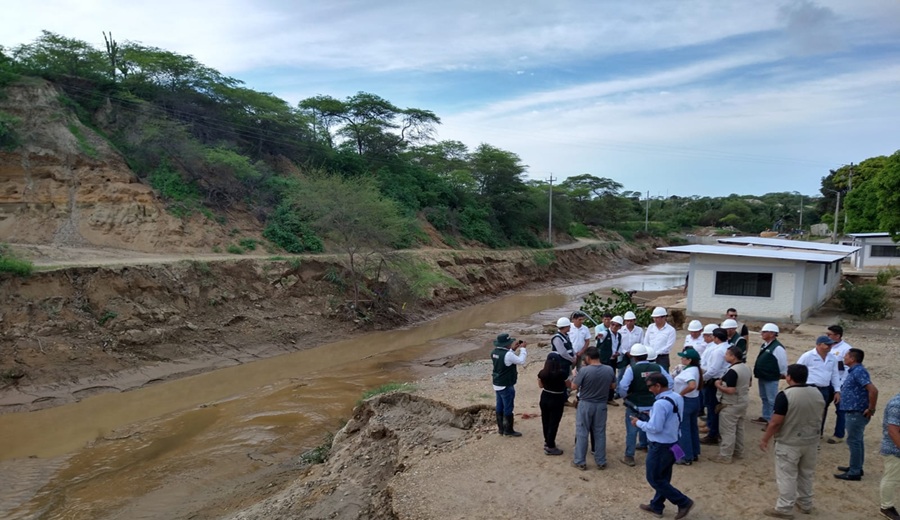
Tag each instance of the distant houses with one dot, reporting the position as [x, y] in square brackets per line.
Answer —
[875, 250]
[765, 278]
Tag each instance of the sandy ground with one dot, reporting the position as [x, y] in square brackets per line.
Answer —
[502, 477]
[433, 452]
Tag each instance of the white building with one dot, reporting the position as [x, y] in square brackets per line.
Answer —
[875, 250]
[765, 278]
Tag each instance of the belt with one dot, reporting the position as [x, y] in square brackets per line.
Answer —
[666, 444]
[552, 392]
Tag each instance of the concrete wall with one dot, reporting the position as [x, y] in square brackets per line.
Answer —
[864, 258]
[781, 306]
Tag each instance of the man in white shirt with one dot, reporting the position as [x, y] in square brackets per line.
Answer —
[838, 350]
[823, 373]
[579, 335]
[694, 339]
[660, 336]
[631, 334]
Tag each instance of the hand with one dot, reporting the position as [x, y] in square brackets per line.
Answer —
[634, 421]
[837, 397]
[764, 444]
[868, 413]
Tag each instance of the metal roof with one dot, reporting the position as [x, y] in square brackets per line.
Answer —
[790, 244]
[758, 252]
[870, 235]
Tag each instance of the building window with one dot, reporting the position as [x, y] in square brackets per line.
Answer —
[744, 284]
[886, 251]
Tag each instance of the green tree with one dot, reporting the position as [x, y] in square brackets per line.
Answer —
[886, 184]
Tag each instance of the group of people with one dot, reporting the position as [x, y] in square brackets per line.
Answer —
[664, 404]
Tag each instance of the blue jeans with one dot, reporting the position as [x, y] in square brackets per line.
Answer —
[856, 427]
[659, 475]
[590, 417]
[767, 392]
[712, 418]
[632, 432]
[840, 423]
[505, 400]
[690, 434]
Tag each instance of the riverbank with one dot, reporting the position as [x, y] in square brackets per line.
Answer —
[433, 452]
[71, 333]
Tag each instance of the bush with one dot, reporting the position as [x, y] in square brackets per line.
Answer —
[594, 306]
[13, 265]
[248, 243]
[290, 232]
[385, 388]
[886, 275]
[543, 258]
[577, 229]
[235, 249]
[866, 300]
[9, 139]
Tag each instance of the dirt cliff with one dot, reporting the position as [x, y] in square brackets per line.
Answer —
[66, 185]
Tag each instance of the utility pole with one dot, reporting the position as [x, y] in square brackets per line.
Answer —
[801, 214]
[849, 187]
[647, 214]
[550, 214]
[837, 208]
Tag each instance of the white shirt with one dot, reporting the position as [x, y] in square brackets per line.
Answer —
[511, 358]
[662, 340]
[838, 350]
[578, 335]
[822, 372]
[715, 365]
[630, 337]
[698, 344]
[688, 374]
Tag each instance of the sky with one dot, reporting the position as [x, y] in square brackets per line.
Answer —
[670, 97]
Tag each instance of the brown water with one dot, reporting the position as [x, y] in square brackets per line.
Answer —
[195, 447]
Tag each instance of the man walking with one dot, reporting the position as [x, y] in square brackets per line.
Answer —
[593, 383]
[769, 369]
[504, 377]
[823, 372]
[890, 450]
[660, 336]
[634, 389]
[662, 432]
[795, 425]
[858, 399]
[838, 350]
[734, 391]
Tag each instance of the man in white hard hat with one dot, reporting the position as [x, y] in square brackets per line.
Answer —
[731, 327]
[631, 333]
[732, 313]
[694, 339]
[770, 368]
[609, 344]
[661, 336]
[714, 366]
[561, 344]
[634, 389]
[704, 365]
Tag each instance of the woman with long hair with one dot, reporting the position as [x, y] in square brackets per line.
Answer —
[687, 384]
[552, 380]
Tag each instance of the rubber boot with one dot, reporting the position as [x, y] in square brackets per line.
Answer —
[510, 419]
[501, 428]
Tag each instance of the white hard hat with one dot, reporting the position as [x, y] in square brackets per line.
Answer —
[659, 312]
[638, 350]
[710, 328]
[651, 353]
[630, 316]
[618, 319]
[729, 324]
[770, 327]
[563, 322]
[695, 326]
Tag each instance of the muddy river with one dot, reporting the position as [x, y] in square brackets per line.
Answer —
[197, 447]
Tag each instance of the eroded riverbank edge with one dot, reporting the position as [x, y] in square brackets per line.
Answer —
[71, 333]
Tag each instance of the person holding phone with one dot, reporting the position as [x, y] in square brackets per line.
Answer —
[504, 376]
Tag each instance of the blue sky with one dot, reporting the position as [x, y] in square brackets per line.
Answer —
[678, 97]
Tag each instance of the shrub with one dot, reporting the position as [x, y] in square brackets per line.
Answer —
[287, 230]
[594, 306]
[248, 243]
[9, 139]
[320, 453]
[886, 275]
[865, 300]
[577, 229]
[385, 388]
[543, 258]
[235, 249]
[11, 264]
[107, 316]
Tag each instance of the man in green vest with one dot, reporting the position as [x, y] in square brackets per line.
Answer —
[795, 425]
[735, 338]
[504, 377]
[633, 387]
[769, 369]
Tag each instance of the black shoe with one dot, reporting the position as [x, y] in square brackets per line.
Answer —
[553, 451]
[847, 476]
[709, 440]
[845, 469]
[647, 508]
[501, 428]
[683, 511]
[641, 448]
[890, 513]
[508, 423]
